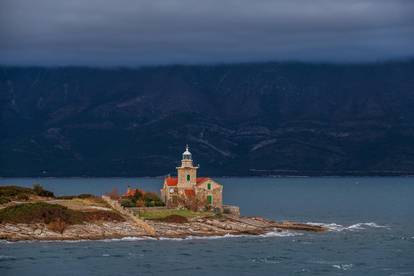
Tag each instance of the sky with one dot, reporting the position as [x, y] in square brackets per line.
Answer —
[151, 32]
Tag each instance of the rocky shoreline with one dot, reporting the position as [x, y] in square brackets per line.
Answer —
[198, 227]
[36, 214]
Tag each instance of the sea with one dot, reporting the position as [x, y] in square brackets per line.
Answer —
[370, 221]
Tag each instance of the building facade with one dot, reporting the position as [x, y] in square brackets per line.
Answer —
[188, 190]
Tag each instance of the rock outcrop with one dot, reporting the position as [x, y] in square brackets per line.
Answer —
[201, 227]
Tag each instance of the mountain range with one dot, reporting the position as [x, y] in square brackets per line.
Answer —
[239, 120]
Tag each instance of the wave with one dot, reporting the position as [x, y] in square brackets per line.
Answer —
[280, 234]
[354, 227]
[266, 235]
[343, 266]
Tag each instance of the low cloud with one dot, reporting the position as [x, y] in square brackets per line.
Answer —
[141, 32]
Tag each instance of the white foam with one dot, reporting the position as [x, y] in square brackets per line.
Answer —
[280, 234]
[354, 227]
[226, 236]
[343, 266]
[130, 239]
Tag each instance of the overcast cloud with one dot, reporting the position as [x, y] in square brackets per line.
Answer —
[141, 32]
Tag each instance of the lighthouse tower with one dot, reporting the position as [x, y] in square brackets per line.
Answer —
[187, 172]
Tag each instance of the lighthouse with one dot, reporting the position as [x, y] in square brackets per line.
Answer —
[187, 172]
[188, 190]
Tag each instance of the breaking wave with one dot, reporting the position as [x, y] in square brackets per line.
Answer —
[354, 227]
[343, 266]
[227, 236]
[266, 235]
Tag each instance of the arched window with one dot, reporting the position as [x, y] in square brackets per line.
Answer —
[188, 177]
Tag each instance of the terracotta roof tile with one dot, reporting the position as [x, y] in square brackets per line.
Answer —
[171, 181]
[201, 179]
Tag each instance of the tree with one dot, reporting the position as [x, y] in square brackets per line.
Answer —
[38, 189]
[114, 194]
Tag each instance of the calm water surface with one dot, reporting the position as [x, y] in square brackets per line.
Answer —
[371, 222]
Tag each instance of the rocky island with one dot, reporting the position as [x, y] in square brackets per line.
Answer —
[189, 206]
[36, 214]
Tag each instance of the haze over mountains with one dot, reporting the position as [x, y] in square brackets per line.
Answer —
[242, 119]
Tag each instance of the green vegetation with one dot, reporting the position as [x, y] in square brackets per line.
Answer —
[160, 214]
[76, 196]
[39, 212]
[57, 217]
[15, 193]
[128, 202]
[142, 199]
[10, 193]
[38, 189]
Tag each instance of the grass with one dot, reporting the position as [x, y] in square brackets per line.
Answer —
[55, 216]
[160, 214]
[39, 212]
[37, 193]
[15, 193]
[11, 193]
[81, 203]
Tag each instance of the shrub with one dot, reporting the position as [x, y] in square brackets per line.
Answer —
[139, 194]
[38, 189]
[152, 199]
[140, 203]
[141, 199]
[10, 193]
[86, 196]
[81, 196]
[4, 200]
[114, 195]
[127, 202]
[55, 216]
[66, 197]
[22, 197]
[39, 212]
[102, 216]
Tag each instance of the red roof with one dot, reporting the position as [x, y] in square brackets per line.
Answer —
[171, 181]
[189, 192]
[201, 179]
[131, 192]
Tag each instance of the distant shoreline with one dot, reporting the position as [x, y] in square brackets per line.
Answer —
[222, 176]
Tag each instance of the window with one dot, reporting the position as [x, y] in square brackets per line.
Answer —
[188, 177]
[209, 186]
[210, 199]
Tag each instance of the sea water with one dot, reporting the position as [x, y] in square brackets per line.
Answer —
[370, 221]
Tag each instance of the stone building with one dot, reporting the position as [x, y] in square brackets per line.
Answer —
[189, 190]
